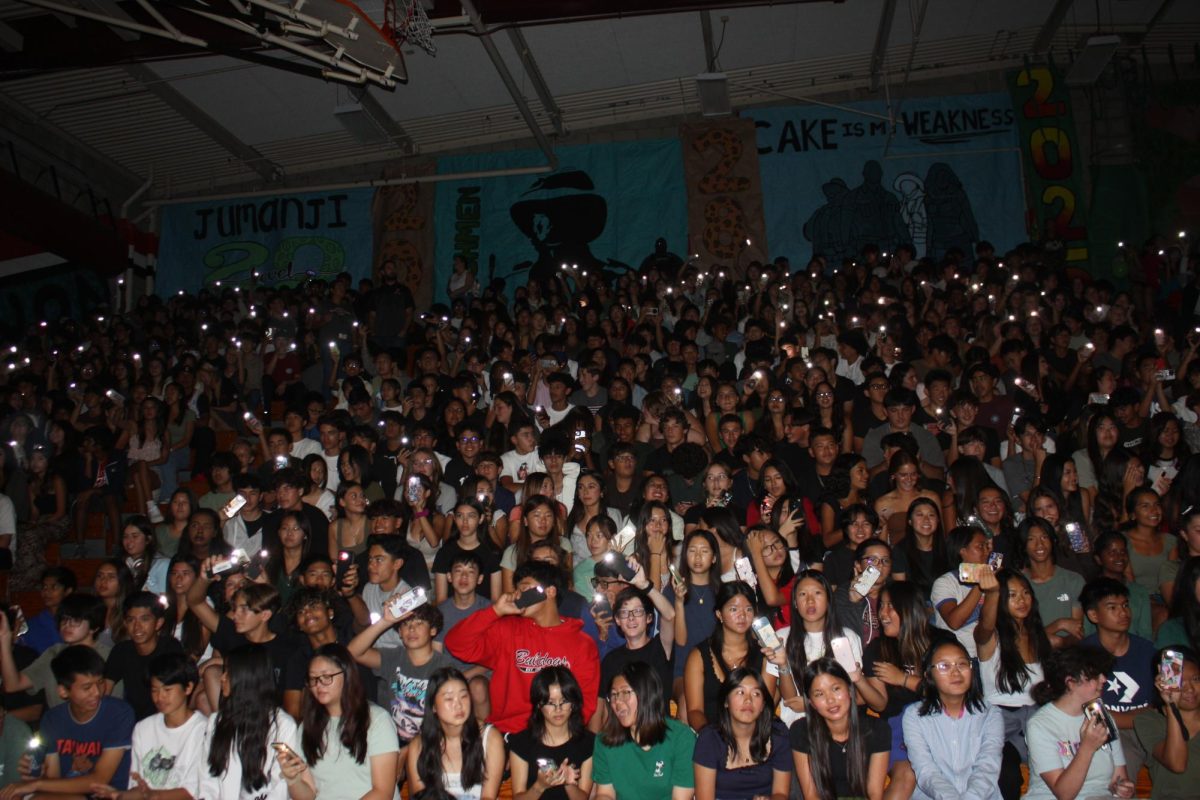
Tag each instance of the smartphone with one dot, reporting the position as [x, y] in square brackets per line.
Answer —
[617, 562]
[1165, 375]
[233, 506]
[674, 570]
[530, 597]
[546, 765]
[282, 749]
[412, 491]
[408, 601]
[37, 754]
[969, 573]
[1098, 399]
[600, 604]
[281, 462]
[1171, 669]
[257, 564]
[1077, 538]
[16, 621]
[745, 571]
[843, 654]
[996, 561]
[623, 539]
[1096, 710]
[867, 580]
[236, 562]
[765, 633]
[345, 560]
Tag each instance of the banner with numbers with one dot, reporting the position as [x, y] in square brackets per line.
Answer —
[285, 240]
[403, 217]
[726, 225]
[934, 172]
[1053, 161]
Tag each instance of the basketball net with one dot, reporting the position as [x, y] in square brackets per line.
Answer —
[410, 26]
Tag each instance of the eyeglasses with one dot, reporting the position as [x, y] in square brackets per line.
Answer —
[323, 680]
[945, 667]
[633, 613]
[775, 399]
[824, 394]
[604, 583]
[559, 706]
[878, 387]
[468, 439]
[622, 694]
[877, 561]
[716, 476]
[771, 548]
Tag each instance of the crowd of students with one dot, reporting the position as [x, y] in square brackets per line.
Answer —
[887, 528]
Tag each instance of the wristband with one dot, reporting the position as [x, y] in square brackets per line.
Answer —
[786, 669]
[424, 512]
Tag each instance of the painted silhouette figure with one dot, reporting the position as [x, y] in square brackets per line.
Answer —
[561, 214]
[951, 220]
[873, 214]
[825, 228]
[912, 209]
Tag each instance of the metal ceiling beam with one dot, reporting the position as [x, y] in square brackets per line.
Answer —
[485, 38]
[540, 87]
[394, 130]
[204, 123]
[1050, 27]
[882, 35]
[1163, 8]
[706, 33]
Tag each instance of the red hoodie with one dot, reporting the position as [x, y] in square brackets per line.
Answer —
[515, 649]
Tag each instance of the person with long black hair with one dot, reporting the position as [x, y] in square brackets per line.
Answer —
[641, 753]
[954, 738]
[730, 645]
[838, 751]
[349, 743]
[240, 736]
[744, 752]
[552, 758]
[924, 545]
[453, 756]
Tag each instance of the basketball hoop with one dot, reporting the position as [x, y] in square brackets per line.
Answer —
[410, 26]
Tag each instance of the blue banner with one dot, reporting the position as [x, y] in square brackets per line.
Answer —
[285, 239]
[834, 180]
[602, 209]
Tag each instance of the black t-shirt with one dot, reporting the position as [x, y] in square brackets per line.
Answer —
[127, 667]
[577, 750]
[448, 552]
[658, 461]
[318, 523]
[390, 302]
[227, 639]
[877, 735]
[651, 654]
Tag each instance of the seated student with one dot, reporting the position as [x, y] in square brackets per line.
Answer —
[386, 556]
[168, 747]
[552, 758]
[642, 753]
[403, 672]
[387, 518]
[80, 621]
[745, 752]
[454, 756]
[465, 577]
[954, 739]
[515, 642]
[1130, 687]
[349, 742]
[15, 735]
[311, 611]
[130, 658]
[647, 638]
[242, 761]
[87, 736]
[1171, 735]
[1111, 552]
[244, 530]
[56, 584]
[1068, 756]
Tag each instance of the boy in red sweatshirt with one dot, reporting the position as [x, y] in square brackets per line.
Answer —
[517, 643]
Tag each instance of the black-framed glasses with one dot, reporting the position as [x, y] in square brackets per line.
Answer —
[323, 680]
[561, 704]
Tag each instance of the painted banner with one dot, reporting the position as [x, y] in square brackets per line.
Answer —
[1047, 134]
[837, 179]
[285, 239]
[725, 206]
[63, 291]
[602, 208]
[403, 222]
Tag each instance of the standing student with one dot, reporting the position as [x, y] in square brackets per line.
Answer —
[453, 756]
[838, 751]
[1068, 756]
[128, 663]
[552, 758]
[745, 752]
[88, 735]
[349, 742]
[954, 738]
[641, 753]
[241, 760]
[167, 755]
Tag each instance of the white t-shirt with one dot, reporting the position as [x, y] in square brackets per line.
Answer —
[8, 521]
[373, 598]
[511, 462]
[306, 447]
[228, 785]
[992, 694]
[338, 775]
[814, 648]
[332, 479]
[1053, 739]
[170, 758]
[947, 587]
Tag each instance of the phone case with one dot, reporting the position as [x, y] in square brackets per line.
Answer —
[745, 571]
[237, 560]
[969, 573]
[1077, 538]
[600, 604]
[1171, 669]
[345, 560]
[1096, 710]
[866, 581]
[408, 601]
[674, 570]
[996, 561]
[412, 491]
[530, 597]
[617, 562]
[765, 633]
[233, 506]
[843, 654]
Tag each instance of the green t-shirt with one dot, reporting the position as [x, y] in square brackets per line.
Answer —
[647, 774]
[13, 744]
[1151, 728]
[337, 774]
[1058, 597]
